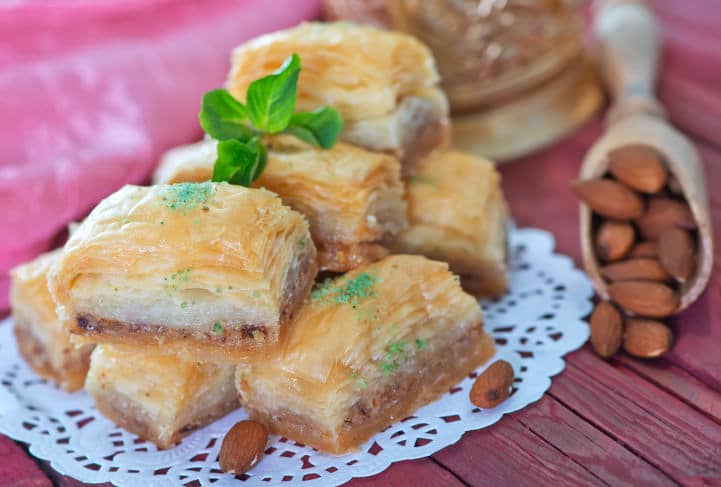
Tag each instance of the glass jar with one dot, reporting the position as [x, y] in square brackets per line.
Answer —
[487, 51]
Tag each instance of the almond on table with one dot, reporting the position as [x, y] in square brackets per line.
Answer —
[242, 447]
[493, 385]
[606, 325]
[647, 338]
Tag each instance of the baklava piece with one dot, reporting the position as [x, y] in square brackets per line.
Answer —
[367, 349]
[457, 214]
[353, 198]
[160, 398]
[214, 267]
[384, 84]
[41, 337]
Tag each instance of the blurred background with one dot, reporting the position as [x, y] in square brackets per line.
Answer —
[93, 91]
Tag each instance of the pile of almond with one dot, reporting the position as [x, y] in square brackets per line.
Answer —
[645, 239]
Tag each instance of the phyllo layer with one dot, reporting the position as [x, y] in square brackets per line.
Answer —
[457, 214]
[211, 266]
[160, 398]
[42, 339]
[366, 350]
[353, 198]
[384, 84]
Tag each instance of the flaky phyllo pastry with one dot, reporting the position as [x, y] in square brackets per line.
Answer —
[42, 339]
[160, 398]
[457, 214]
[384, 84]
[366, 350]
[353, 198]
[213, 266]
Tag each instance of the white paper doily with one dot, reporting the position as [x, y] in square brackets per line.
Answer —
[534, 325]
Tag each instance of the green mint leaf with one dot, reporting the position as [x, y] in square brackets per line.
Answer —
[271, 99]
[239, 163]
[223, 117]
[320, 127]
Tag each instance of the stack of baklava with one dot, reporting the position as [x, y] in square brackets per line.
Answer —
[175, 303]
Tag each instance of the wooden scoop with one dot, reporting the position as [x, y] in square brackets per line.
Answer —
[628, 38]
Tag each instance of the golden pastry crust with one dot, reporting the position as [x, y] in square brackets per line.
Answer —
[343, 257]
[367, 349]
[457, 214]
[422, 383]
[211, 265]
[170, 398]
[353, 198]
[384, 84]
[42, 340]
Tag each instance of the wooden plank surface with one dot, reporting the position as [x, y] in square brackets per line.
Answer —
[623, 422]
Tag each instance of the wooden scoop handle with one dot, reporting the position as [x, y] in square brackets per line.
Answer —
[628, 38]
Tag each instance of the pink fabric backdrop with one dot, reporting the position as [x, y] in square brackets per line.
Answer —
[92, 91]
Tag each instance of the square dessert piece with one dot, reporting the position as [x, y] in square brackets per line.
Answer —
[353, 198]
[160, 398]
[42, 339]
[211, 267]
[384, 84]
[457, 214]
[368, 349]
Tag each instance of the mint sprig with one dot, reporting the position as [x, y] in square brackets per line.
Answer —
[223, 117]
[239, 163]
[320, 127]
[271, 99]
[269, 109]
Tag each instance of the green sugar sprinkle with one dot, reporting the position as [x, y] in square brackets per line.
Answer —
[352, 292]
[217, 327]
[361, 381]
[184, 304]
[185, 197]
[301, 243]
[396, 353]
[422, 180]
[171, 281]
[256, 294]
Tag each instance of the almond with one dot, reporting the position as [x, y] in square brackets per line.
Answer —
[677, 253]
[606, 329]
[645, 298]
[614, 240]
[638, 167]
[610, 198]
[663, 214]
[646, 338]
[493, 386]
[641, 269]
[646, 248]
[242, 447]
